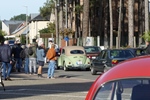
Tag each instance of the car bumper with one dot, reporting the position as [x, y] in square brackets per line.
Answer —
[79, 66]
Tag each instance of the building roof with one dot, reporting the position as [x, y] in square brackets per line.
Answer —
[12, 22]
[38, 17]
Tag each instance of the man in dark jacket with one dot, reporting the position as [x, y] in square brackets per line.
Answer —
[6, 59]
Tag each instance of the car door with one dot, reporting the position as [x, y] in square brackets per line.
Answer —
[98, 62]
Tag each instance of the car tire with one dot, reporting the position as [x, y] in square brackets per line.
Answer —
[93, 71]
[105, 69]
[65, 68]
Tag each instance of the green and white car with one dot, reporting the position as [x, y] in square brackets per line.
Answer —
[73, 57]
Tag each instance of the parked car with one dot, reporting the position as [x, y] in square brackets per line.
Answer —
[129, 80]
[108, 58]
[73, 57]
[92, 51]
[138, 51]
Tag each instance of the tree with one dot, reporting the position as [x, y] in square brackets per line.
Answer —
[106, 24]
[2, 33]
[146, 15]
[85, 19]
[111, 24]
[48, 8]
[20, 17]
[131, 22]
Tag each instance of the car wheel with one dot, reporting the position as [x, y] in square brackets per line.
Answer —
[105, 69]
[65, 68]
[93, 71]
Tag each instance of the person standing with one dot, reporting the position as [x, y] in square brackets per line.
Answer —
[40, 58]
[26, 66]
[32, 59]
[6, 59]
[51, 56]
[16, 53]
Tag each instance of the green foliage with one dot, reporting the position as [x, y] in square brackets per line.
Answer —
[21, 17]
[23, 39]
[66, 32]
[50, 29]
[2, 33]
[48, 7]
[146, 36]
[0, 25]
[78, 9]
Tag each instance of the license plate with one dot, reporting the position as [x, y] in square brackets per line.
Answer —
[79, 62]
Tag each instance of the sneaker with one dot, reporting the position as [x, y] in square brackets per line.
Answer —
[52, 77]
[48, 77]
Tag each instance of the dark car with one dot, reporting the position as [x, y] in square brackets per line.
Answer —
[108, 58]
[92, 51]
[138, 51]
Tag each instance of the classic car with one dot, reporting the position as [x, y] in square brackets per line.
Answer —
[129, 80]
[109, 58]
[92, 51]
[73, 57]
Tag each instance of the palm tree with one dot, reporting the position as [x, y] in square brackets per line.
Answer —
[111, 24]
[119, 24]
[85, 19]
[106, 24]
[146, 15]
[131, 22]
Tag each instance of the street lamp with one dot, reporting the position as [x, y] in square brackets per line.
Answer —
[26, 23]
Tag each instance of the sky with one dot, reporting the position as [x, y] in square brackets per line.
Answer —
[11, 8]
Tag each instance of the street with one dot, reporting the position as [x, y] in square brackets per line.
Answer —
[69, 85]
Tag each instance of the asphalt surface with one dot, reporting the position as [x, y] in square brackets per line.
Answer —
[71, 85]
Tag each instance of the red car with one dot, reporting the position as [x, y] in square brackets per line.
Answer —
[129, 80]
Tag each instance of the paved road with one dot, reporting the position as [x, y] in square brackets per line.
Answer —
[70, 85]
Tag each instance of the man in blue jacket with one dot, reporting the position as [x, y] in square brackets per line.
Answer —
[6, 59]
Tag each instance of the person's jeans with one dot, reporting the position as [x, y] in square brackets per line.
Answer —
[18, 63]
[32, 63]
[26, 66]
[8, 66]
[51, 68]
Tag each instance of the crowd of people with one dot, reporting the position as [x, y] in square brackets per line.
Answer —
[30, 57]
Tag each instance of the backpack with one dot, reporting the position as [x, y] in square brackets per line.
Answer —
[30, 51]
[22, 54]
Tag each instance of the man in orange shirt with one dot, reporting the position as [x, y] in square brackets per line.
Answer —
[51, 56]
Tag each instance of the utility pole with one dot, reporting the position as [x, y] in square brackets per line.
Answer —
[26, 24]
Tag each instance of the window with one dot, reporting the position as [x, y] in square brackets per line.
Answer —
[127, 89]
[76, 52]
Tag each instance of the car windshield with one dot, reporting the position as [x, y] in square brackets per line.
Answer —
[128, 89]
[121, 54]
[76, 52]
[92, 49]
